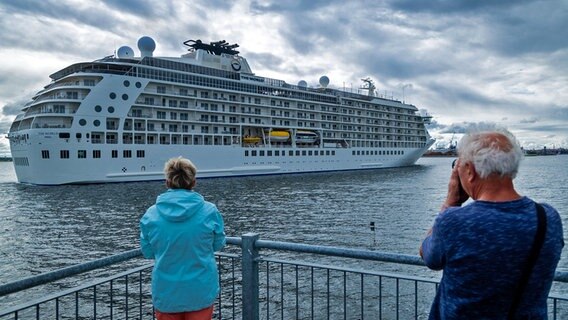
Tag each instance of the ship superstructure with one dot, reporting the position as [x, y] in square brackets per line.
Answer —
[120, 118]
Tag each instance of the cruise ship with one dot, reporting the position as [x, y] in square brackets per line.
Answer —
[120, 118]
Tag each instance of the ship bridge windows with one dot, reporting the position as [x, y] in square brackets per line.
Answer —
[161, 89]
[111, 138]
[161, 115]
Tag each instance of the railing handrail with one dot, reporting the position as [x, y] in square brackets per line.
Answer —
[47, 277]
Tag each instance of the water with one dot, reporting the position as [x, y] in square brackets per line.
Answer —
[45, 228]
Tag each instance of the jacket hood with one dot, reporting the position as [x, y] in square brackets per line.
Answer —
[179, 204]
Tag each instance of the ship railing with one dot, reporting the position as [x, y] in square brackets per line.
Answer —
[259, 279]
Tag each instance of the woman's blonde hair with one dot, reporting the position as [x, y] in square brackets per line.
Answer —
[180, 173]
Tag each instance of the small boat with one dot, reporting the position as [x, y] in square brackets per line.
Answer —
[306, 137]
[279, 136]
[251, 139]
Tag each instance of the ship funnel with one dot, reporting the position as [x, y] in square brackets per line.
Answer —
[146, 45]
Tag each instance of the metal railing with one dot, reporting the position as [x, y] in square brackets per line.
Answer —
[253, 286]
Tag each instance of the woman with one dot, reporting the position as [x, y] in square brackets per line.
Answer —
[181, 232]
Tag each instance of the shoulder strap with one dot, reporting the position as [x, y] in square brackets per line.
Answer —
[531, 261]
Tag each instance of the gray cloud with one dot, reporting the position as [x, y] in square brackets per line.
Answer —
[448, 50]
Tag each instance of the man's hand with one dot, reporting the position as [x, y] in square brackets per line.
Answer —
[456, 194]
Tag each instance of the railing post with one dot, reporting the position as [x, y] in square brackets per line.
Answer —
[250, 276]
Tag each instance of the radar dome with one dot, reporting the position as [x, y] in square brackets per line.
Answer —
[302, 84]
[146, 46]
[125, 52]
[324, 81]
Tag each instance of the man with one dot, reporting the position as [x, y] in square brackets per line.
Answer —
[483, 247]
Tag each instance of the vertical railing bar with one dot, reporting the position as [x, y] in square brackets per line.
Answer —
[415, 300]
[267, 290]
[219, 258]
[282, 290]
[140, 294]
[126, 295]
[297, 294]
[380, 297]
[57, 308]
[94, 301]
[362, 297]
[344, 295]
[397, 297]
[233, 283]
[37, 311]
[111, 299]
[328, 293]
[312, 290]
[77, 305]
[554, 301]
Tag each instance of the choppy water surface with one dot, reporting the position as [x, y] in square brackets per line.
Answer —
[45, 228]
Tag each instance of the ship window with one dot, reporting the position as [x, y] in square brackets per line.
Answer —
[45, 154]
[98, 108]
[290, 153]
[81, 154]
[96, 123]
[297, 152]
[64, 154]
[127, 153]
[253, 153]
[82, 122]
[140, 154]
[333, 152]
[96, 154]
[64, 135]
[303, 152]
[310, 153]
[114, 153]
[138, 85]
[327, 152]
[262, 153]
[277, 152]
[353, 152]
[246, 153]
[112, 95]
[126, 83]
[125, 97]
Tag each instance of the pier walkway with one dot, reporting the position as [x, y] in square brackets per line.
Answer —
[260, 279]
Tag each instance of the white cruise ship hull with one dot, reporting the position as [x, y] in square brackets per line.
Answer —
[120, 119]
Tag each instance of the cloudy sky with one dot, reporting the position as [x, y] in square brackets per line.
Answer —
[465, 62]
